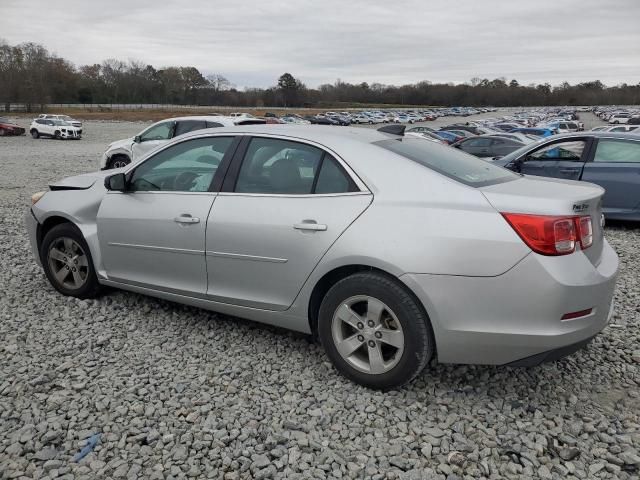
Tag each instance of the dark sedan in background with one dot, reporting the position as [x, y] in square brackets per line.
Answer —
[488, 145]
[611, 160]
[9, 128]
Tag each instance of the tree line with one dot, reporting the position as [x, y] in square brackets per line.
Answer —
[32, 75]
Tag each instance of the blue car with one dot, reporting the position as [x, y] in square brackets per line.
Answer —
[538, 132]
[611, 160]
[448, 136]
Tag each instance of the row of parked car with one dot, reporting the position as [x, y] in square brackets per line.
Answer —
[372, 117]
[45, 125]
[619, 116]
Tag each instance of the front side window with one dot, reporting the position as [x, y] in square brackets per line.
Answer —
[449, 162]
[620, 151]
[162, 131]
[185, 167]
[560, 151]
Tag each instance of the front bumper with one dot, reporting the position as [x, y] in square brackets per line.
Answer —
[32, 230]
[505, 319]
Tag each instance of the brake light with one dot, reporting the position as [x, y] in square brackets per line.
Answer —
[552, 235]
[585, 229]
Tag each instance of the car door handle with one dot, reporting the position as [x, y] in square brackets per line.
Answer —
[186, 218]
[310, 225]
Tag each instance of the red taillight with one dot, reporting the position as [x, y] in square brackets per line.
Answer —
[551, 235]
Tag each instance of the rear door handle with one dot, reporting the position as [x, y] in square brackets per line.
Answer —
[186, 218]
[310, 225]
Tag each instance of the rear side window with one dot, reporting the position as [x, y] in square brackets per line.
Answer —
[449, 162]
[620, 151]
[282, 167]
[186, 126]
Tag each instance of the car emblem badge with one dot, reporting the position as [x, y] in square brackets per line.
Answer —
[580, 207]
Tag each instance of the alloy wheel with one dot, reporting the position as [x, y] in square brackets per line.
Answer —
[367, 334]
[68, 263]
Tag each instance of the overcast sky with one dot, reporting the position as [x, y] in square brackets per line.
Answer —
[252, 42]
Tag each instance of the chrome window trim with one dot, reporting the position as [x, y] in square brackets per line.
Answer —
[292, 195]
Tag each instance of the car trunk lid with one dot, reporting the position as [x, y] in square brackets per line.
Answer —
[552, 196]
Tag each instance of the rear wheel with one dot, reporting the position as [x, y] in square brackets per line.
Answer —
[34, 133]
[374, 331]
[67, 262]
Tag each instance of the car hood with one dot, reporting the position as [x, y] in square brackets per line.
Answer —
[125, 143]
[80, 182]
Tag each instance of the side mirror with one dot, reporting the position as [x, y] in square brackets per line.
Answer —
[137, 139]
[116, 182]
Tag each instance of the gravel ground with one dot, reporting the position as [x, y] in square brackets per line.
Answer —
[176, 392]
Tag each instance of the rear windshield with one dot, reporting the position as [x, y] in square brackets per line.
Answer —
[449, 162]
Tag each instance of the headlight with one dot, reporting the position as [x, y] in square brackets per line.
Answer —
[36, 196]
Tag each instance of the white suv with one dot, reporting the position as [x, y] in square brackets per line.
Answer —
[54, 128]
[123, 152]
[66, 118]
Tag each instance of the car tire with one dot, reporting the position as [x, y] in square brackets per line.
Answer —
[2, 132]
[35, 133]
[64, 249]
[385, 311]
[118, 161]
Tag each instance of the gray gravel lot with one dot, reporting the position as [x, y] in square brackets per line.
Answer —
[177, 392]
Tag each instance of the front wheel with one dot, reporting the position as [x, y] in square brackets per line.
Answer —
[34, 133]
[56, 135]
[118, 161]
[374, 331]
[67, 262]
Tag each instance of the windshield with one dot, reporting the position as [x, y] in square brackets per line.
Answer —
[449, 162]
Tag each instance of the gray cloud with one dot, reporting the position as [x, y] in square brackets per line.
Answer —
[252, 42]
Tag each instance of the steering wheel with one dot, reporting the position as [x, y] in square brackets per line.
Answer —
[185, 181]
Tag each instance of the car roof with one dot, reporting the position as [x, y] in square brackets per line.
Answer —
[323, 134]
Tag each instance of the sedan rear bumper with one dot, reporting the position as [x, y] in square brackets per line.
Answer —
[517, 315]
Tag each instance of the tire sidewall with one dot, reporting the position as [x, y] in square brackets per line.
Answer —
[418, 338]
[91, 286]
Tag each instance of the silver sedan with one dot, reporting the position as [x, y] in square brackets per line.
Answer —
[393, 250]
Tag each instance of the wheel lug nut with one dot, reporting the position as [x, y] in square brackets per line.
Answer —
[360, 325]
[371, 323]
[378, 334]
[360, 338]
[372, 343]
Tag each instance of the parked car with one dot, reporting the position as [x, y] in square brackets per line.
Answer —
[321, 120]
[9, 128]
[619, 118]
[488, 146]
[287, 225]
[123, 152]
[52, 128]
[611, 160]
[459, 126]
[538, 132]
[448, 136]
[66, 118]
